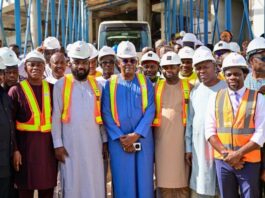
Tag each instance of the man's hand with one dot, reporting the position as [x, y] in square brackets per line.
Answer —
[61, 154]
[130, 149]
[17, 160]
[239, 165]
[233, 158]
[128, 140]
[188, 158]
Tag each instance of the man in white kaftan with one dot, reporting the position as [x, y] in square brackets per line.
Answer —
[81, 166]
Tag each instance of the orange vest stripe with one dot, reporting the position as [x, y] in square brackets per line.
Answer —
[39, 121]
[67, 98]
[185, 87]
[236, 131]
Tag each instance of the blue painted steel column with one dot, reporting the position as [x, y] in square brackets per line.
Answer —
[58, 20]
[74, 28]
[77, 36]
[88, 15]
[53, 17]
[38, 9]
[174, 17]
[246, 8]
[205, 17]
[191, 15]
[216, 25]
[198, 19]
[228, 15]
[181, 15]
[63, 22]
[17, 23]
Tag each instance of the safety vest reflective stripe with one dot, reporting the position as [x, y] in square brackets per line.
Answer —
[236, 131]
[39, 121]
[185, 87]
[113, 92]
[97, 109]
[67, 98]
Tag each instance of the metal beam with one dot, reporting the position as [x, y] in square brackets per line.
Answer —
[228, 15]
[174, 17]
[205, 17]
[38, 7]
[181, 19]
[17, 23]
[191, 15]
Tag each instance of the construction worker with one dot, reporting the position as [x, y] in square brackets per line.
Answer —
[234, 126]
[50, 46]
[147, 49]
[150, 63]
[164, 49]
[76, 128]
[172, 96]
[11, 72]
[189, 40]
[6, 139]
[128, 110]
[203, 180]
[234, 47]
[93, 62]
[34, 158]
[15, 49]
[58, 67]
[158, 44]
[186, 70]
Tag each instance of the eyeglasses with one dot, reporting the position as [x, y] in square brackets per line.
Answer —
[220, 52]
[111, 62]
[127, 60]
[261, 58]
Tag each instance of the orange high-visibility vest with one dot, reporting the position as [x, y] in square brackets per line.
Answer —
[39, 120]
[185, 87]
[113, 91]
[67, 98]
[236, 131]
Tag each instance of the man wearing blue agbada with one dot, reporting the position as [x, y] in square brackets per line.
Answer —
[128, 110]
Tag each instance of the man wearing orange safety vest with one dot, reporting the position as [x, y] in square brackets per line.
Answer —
[128, 110]
[235, 127]
[76, 122]
[171, 97]
[34, 158]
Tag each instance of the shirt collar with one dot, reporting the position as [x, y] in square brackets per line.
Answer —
[240, 91]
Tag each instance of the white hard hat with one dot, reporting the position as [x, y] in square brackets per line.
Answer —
[35, 55]
[51, 43]
[94, 53]
[198, 42]
[202, 54]
[189, 37]
[160, 43]
[9, 57]
[68, 47]
[234, 59]
[105, 51]
[221, 45]
[186, 53]
[126, 49]
[150, 56]
[257, 44]
[80, 50]
[2, 65]
[170, 58]
[234, 47]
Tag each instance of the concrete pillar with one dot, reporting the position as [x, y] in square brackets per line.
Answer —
[144, 10]
[97, 21]
[34, 24]
[90, 27]
[258, 17]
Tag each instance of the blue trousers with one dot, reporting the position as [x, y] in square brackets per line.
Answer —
[230, 180]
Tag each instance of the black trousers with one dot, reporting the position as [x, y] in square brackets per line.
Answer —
[4, 187]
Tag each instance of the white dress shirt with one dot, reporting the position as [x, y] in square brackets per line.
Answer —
[259, 133]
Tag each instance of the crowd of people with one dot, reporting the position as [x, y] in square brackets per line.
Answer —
[182, 120]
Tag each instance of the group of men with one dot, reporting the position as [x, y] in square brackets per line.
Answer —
[191, 117]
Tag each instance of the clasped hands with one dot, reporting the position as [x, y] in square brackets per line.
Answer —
[128, 140]
[234, 159]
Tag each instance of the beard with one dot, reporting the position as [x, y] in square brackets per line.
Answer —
[80, 75]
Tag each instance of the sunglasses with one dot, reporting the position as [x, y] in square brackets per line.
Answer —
[127, 60]
[220, 52]
[107, 62]
[261, 58]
